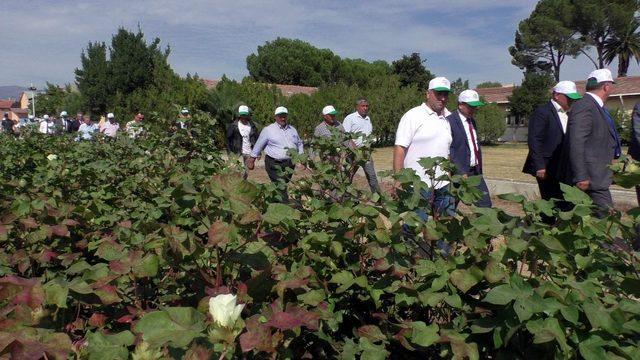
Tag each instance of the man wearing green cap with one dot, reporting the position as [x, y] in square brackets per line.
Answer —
[242, 135]
[547, 128]
[465, 150]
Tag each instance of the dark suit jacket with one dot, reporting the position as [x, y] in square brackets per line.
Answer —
[545, 141]
[459, 150]
[589, 145]
[634, 147]
[234, 139]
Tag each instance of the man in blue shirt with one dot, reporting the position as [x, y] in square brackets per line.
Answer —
[276, 139]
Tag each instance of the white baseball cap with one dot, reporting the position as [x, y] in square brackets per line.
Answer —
[46, 117]
[440, 84]
[600, 75]
[31, 117]
[243, 110]
[110, 116]
[568, 88]
[281, 110]
[329, 110]
[184, 111]
[470, 98]
[64, 113]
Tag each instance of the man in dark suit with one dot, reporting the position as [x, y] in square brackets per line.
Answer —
[547, 128]
[593, 142]
[465, 147]
[634, 146]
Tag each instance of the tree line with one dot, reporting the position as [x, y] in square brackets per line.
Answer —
[132, 76]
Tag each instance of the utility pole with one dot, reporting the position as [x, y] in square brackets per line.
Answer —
[33, 99]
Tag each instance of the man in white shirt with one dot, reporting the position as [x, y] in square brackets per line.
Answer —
[242, 135]
[425, 132]
[47, 126]
[465, 146]
[359, 122]
[547, 129]
[87, 129]
[134, 127]
[111, 127]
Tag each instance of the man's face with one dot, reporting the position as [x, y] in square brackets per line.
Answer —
[79, 116]
[437, 100]
[87, 119]
[243, 118]
[329, 118]
[112, 120]
[363, 108]
[607, 89]
[281, 119]
[563, 100]
[467, 110]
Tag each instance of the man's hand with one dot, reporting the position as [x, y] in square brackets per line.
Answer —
[583, 185]
[250, 162]
[396, 187]
[541, 174]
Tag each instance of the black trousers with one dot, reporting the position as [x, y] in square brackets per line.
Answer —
[276, 169]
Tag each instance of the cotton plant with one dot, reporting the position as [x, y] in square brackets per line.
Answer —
[227, 323]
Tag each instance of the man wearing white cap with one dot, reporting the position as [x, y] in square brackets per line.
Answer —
[593, 142]
[111, 127]
[276, 139]
[465, 150]
[359, 122]
[47, 126]
[242, 135]
[547, 128]
[183, 119]
[329, 122]
[425, 132]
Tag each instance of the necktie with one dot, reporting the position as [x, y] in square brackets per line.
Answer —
[475, 144]
[618, 148]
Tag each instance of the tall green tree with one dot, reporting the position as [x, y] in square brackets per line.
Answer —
[93, 78]
[411, 71]
[457, 86]
[599, 20]
[625, 45]
[132, 61]
[547, 37]
[534, 90]
[491, 123]
[293, 61]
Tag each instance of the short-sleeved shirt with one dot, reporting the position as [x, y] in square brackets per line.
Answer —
[245, 131]
[110, 129]
[424, 134]
[323, 129]
[355, 123]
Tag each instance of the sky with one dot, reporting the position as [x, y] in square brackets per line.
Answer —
[43, 39]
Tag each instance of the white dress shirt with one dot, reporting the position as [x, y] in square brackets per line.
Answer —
[473, 161]
[564, 118]
[355, 123]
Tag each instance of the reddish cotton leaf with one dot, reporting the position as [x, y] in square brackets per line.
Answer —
[127, 319]
[97, 320]
[60, 230]
[119, 267]
[294, 317]
[22, 291]
[70, 222]
[108, 294]
[218, 233]
[29, 223]
[3, 230]
[125, 224]
[258, 336]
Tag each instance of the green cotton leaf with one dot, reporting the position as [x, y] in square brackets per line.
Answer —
[278, 213]
[56, 292]
[631, 286]
[176, 326]
[107, 347]
[147, 267]
[600, 318]
[570, 313]
[424, 335]
[313, 297]
[500, 295]
[517, 198]
[466, 279]
[516, 244]
[593, 350]
[583, 261]
[339, 212]
[523, 309]
[367, 211]
[370, 351]
[552, 243]
[494, 272]
[574, 195]
[548, 330]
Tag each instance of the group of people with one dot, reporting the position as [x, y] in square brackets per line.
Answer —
[84, 126]
[572, 140]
